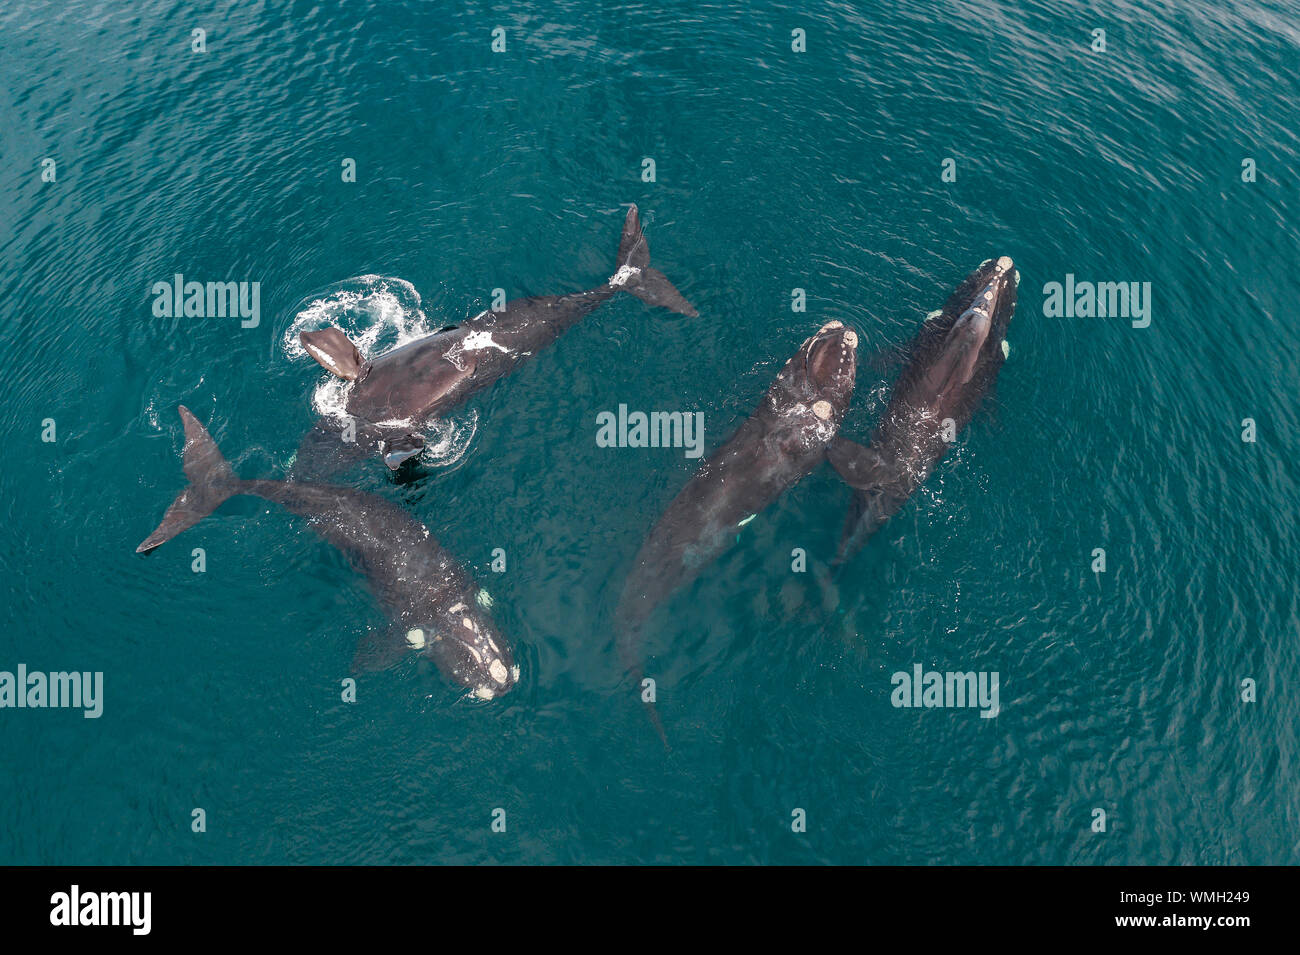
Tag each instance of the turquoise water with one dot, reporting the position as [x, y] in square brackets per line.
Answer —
[774, 170]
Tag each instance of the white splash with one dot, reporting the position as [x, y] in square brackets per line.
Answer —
[380, 313]
[377, 312]
[447, 439]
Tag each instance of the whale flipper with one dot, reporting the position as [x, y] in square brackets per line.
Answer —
[334, 352]
[860, 467]
[397, 450]
[211, 482]
[635, 275]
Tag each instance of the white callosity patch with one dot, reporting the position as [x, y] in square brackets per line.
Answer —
[498, 671]
[818, 419]
[1006, 348]
[415, 638]
[473, 342]
[484, 599]
[624, 273]
[477, 341]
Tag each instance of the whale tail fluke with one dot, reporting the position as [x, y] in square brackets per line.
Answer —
[635, 275]
[212, 482]
[629, 642]
[650, 710]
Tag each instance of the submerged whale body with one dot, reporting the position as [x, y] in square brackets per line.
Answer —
[394, 394]
[954, 361]
[773, 449]
[433, 605]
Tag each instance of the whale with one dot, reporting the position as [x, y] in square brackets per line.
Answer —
[778, 445]
[394, 394]
[952, 363]
[432, 605]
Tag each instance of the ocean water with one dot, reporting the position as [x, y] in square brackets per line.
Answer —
[823, 170]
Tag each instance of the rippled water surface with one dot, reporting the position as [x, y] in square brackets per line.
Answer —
[775, 170]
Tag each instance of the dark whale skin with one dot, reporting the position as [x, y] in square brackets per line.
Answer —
[393, 395]
[432, 604]
[774, 448]
[954, 361]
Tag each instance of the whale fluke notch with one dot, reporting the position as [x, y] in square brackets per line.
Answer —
[334, 351]
[634, 274]
[211, 482]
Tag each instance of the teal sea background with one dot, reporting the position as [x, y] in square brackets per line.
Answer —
[775, 170]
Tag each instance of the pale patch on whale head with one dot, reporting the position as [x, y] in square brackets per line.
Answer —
[1004, 263]
[478, 341]
[498, 671]
[415, 638]
[484, 599]
[822, 409]
[1006, 348]
[484, 692]
[851, 338]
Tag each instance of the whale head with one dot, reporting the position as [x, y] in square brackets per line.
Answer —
[984, 304]
[825, 369]
[976, 319]
[467, 647]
